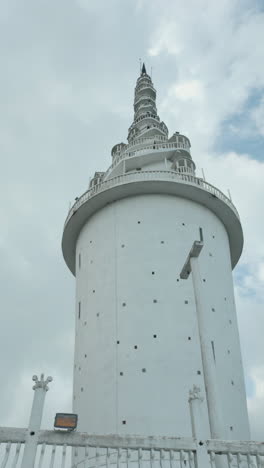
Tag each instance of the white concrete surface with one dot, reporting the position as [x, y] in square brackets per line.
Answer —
[119, 248]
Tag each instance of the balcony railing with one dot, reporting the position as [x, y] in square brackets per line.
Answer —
[142, 97]
[146, 176]
[146, 106]
[80, 450]
[146, 116]
[145, 87]
[144, 140]
[127, 153]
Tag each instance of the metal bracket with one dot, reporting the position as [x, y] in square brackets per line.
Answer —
[194, 252]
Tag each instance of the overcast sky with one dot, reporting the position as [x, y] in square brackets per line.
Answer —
[68, 71]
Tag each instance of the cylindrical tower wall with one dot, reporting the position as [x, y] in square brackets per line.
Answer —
[137, 349]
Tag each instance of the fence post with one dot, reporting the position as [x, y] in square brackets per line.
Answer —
[31, 443]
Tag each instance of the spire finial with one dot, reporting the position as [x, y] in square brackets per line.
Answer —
[143, 70]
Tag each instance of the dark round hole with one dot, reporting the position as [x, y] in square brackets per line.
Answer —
[32, 433]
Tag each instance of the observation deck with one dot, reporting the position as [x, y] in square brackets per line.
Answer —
[151, 182]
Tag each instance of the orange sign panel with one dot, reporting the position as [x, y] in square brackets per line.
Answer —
[66, 420]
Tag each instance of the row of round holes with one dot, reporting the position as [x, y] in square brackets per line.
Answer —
[154, 336]
[123, 245]
[144, 370]
[155, 301]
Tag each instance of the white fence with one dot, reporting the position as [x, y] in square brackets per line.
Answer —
[73, 449]
[146, 176]
[148, 147]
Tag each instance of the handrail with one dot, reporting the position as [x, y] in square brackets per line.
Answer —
[145, 86]
[149, 175]
[126, 153]
[144, 139]
[129, 450]
[148, 104]
[142, 97]
[146, 116]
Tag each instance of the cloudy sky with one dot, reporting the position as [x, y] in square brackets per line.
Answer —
[68, 71]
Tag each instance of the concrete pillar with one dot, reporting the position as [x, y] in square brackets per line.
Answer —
[40, 388]
[214, 410]
[197, 414]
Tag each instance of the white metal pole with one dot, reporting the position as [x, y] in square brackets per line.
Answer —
[214, 412]
[30, 450]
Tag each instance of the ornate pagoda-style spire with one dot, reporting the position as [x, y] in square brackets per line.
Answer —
[146, 121]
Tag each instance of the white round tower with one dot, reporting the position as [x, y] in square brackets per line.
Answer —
[152, 248]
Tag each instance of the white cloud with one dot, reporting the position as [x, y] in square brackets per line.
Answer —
[191, 89]
[166, 30]
[257, 115]
[255, 405]
[217, 46]
[261, 272]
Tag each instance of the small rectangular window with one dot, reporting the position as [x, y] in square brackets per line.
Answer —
[79, 310]
[181, 162]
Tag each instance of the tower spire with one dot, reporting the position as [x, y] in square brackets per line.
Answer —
[146, 120]
[143, 70]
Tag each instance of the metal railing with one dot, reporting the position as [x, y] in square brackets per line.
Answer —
[142, 97]
[146, 116]
[127, 153]
[141, 176]
[73, 449]
[143, 140]
[145, 86]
